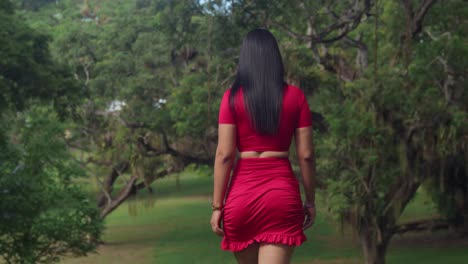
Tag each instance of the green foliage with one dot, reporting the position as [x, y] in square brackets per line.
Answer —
[154, 58]
[402, 124]
[27, 71]
[191, 117]
[43, 214]
[202, 170]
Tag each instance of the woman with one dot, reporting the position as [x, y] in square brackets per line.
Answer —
[262, 215]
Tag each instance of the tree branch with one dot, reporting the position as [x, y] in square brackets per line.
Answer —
[420, 14]
[108, 184]
[345, 23]
[421, 225]
[128, 190]
[289, 32]
[416, 18]
[151, 151]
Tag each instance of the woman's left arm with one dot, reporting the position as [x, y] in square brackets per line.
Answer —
[225, 153]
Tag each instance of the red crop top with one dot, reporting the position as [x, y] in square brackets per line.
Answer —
[294, 114]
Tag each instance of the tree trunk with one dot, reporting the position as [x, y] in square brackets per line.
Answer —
[374, 250]
[108, 184]
[460, 220]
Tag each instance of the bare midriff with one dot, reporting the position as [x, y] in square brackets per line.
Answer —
[263, 154]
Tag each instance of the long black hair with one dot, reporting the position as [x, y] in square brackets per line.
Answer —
[260, 73]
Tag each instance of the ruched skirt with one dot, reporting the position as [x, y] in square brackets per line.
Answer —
[263, 205]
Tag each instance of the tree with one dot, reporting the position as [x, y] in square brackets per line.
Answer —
[43, 213]
[443, 56]
[388, 131]
[150, 59]
[388, 123]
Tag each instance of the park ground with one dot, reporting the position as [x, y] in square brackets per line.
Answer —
[171, 225]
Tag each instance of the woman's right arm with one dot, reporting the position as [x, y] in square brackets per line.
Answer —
[225, 153]
[306, 158]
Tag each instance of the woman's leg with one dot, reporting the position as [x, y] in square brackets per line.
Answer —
[248, 255]
[274, 254]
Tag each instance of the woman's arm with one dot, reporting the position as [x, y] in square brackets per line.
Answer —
[225, 153]
[306, 158]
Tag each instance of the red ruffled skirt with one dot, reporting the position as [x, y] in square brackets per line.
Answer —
[263, 205]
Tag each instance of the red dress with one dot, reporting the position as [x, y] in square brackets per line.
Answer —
[263, 202]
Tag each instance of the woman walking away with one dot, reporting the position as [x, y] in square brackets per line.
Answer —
[261, 216]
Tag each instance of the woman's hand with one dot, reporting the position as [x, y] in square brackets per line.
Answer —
[309, 217]
[216, 223]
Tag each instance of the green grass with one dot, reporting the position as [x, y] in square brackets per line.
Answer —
[172, 226]
[416, 254]
[421, 206]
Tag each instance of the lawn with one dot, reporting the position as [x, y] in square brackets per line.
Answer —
[172, 226]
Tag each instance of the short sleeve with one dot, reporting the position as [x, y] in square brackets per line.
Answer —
[225, 114]
[305, 116]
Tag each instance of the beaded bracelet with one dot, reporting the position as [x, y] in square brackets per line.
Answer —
[309, 205]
